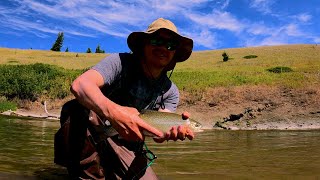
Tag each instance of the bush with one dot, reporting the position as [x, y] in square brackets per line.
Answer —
[225, 56]
[35, 80]
[250, 56]
[279, 69]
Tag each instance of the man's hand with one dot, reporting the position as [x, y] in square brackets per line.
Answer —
[125, 120]
[175, 133]
[129, 125]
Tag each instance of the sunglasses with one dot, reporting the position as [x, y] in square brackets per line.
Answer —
[170, 44]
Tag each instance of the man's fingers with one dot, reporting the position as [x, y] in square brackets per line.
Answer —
[189, 134]
[181, 133]
[174, 133]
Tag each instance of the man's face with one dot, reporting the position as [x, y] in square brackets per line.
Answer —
[160, 48]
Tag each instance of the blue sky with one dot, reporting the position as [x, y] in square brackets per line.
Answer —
[212, 24]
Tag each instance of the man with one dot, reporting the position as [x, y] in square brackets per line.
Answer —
[120, 86]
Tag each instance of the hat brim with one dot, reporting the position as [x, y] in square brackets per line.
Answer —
[183, 52]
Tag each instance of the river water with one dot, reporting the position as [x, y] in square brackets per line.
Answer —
[26, 152]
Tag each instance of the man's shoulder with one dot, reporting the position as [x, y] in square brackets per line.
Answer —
[119, 56]
[125, 55]
[129, 62]
[116, 59]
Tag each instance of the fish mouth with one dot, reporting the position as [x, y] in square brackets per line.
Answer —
[197, 127]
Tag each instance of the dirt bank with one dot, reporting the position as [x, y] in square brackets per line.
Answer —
[248, 107]
[256, 107]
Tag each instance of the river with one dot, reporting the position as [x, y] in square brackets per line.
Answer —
[26, 152]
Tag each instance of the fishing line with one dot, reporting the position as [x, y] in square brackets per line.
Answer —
[150, 156]
[165, 162]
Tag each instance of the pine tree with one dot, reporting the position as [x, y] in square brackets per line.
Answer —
[58, 44]
[67, 50]
[98, 50]
[88, 50]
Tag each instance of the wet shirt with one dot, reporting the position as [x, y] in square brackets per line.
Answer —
[126, 84]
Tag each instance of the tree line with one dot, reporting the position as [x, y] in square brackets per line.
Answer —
[59, 42]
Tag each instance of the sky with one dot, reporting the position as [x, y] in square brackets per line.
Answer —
[212, 24]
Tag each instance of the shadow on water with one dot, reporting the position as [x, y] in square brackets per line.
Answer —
[52, 173]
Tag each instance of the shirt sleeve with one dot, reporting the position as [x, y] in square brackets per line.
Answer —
[171, 98]
[109, 68]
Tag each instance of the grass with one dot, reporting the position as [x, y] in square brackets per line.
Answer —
[280, 69]
[204, 69]
[67, 60]
[294, 56]
[7, 105]
[250, 56]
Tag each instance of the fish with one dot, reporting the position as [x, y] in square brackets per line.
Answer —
[163, 121]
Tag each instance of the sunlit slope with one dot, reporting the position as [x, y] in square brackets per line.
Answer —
[302, 57]
[66, 60]
[206, 68]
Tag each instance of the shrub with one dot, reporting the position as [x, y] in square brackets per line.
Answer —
[225, 56]
[35, 80]
[250, 56]
[279, 69]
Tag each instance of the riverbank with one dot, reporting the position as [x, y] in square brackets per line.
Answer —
[257, 107]
[234, 108]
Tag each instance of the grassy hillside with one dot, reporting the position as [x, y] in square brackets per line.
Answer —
[67, 60]
[204, 69]
[207, 69]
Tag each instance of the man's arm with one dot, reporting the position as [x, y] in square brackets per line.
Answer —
[125, 120]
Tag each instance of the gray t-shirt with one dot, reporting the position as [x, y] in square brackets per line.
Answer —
[125, 84]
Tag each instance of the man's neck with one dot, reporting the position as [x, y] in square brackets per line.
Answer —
[151, 72]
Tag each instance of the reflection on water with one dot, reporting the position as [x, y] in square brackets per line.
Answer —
[26, 152]
[242, 154]
[26, 149]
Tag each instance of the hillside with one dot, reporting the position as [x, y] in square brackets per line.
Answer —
[212, 90]
[67, 60]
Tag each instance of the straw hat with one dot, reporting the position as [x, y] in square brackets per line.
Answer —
[183, 51]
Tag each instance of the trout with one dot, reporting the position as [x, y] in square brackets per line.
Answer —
[163, 121]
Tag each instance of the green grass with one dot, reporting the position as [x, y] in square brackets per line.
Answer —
[67, 60]
[207, 69]
[21, 77]
[250, 56]
[7, 105]
[280, 69]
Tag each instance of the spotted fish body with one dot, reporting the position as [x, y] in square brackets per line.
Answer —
[163, 121]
